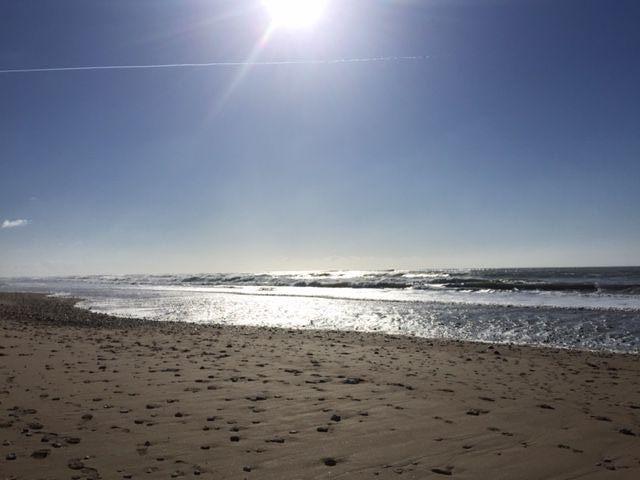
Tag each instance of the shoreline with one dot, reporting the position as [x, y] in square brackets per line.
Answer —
[109, 320]
[184, 399]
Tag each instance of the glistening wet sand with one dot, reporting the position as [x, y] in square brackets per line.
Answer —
[88, 396]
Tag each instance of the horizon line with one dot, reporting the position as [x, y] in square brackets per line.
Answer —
[322, 270]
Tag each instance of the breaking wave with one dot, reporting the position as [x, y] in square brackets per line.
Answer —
[623, 281]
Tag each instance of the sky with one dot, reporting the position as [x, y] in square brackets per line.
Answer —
[513, 140]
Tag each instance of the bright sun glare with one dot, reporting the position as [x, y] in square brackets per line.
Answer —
[295, 13]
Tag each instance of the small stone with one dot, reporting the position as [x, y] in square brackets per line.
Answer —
[11, 456]
[260, 396]
[75, 464]
[336, 418]
[477, 411]
[43, 453]
[329, 462]
[441, 471]
[602, 418]
[352, 381]
[275, 440]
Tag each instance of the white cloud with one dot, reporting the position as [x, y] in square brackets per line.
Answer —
[18, 222]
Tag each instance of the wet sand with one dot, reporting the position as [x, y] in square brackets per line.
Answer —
[84, 395]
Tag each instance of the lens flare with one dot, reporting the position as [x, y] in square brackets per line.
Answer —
[295, 13]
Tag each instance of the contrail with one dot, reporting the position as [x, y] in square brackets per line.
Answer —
[213, 64]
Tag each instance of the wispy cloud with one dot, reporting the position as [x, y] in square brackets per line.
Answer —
[18, 222]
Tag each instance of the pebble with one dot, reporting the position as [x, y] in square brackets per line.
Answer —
[352, 381]
[441, 471]
[75, 464]
[42, 453]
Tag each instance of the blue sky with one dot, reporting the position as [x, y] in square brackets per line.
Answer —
[515, 143]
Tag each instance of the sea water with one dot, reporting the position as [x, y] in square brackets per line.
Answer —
[587, 308]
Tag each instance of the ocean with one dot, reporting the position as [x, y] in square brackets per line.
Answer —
[584, 308]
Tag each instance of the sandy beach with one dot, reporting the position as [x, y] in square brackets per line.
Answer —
[84, 395]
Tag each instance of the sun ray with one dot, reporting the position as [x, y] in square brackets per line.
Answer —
[244, 68]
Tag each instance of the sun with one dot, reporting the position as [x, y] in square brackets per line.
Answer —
[295, 13]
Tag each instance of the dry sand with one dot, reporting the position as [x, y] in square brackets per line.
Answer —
[86, 396]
